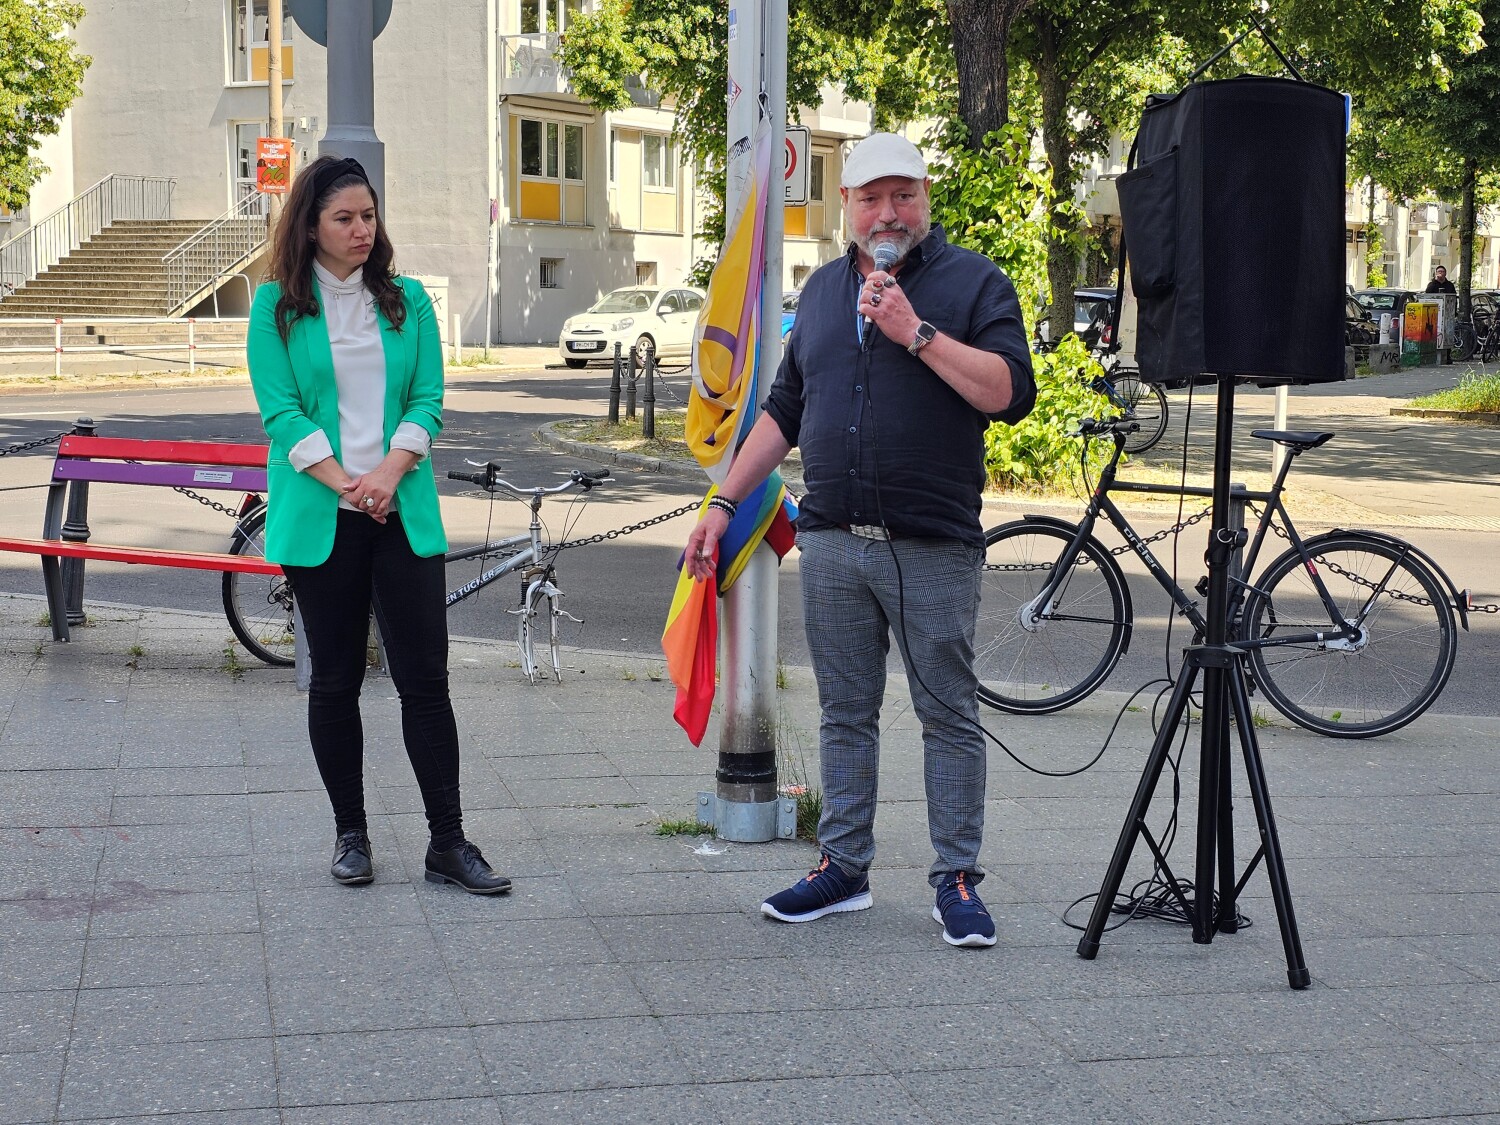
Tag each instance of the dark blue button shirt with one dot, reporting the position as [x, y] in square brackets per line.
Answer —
[884, 440]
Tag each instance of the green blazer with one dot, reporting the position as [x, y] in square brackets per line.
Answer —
[297, 394]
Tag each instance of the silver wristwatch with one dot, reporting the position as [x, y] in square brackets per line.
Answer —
[925, 334]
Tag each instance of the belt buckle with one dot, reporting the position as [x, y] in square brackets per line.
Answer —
[869, 531]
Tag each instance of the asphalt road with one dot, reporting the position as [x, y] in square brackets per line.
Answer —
[621, 587]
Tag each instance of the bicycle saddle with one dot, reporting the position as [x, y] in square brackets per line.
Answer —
[1294, 439]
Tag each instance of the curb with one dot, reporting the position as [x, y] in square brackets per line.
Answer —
[548, 435]
[1474, 417]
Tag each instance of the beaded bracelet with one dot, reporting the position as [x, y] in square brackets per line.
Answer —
[724, 504]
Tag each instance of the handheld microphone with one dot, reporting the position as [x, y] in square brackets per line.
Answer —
[885, 258]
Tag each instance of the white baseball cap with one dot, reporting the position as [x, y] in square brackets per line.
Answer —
[880, 155]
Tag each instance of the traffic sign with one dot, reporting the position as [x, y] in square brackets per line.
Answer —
[798, 166]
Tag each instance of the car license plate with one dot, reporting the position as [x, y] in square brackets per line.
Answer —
[586, 346]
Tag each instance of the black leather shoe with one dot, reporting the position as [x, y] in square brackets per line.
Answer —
[351, 859]
[465, 867]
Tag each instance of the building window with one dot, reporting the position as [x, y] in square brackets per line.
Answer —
[551, 272]
[250, 47]
[815, 178]
[542, 17]
[645, 273]
[659, 169]
[550, 186]
[546, 145]
[799, 276]
[614, 154]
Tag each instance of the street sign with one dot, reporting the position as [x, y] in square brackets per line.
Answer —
[798, 166]
[312, 17]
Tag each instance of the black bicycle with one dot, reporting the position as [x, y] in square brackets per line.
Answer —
[1348, 633]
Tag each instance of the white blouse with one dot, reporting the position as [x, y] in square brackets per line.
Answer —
[359, 373]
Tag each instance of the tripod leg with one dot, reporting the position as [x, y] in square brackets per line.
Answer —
[1281, 892]
[1210, 771]
[1227, 917]
[1088, 945]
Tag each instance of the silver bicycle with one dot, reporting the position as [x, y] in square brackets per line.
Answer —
[261, 610]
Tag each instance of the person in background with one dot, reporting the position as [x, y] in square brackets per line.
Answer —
[1440, 282]
[348, 374]
[890, 379]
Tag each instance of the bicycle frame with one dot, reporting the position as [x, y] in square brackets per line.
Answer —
[1349, 633]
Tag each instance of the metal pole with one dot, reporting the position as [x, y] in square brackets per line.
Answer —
[351, 89]
[614, 387]
[745, 787]
[635, 358]
[275, 125]
[648, 418]
[75, 529]
[1278, 452]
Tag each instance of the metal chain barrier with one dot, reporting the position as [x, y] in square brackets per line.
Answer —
[1158, 537]
[652, 522]
[1360, 580]
[37, 444]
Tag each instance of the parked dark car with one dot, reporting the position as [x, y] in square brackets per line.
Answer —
[1360, 328]
[1378, 301]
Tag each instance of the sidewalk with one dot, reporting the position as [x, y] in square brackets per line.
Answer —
[19, 373]
[173, 948]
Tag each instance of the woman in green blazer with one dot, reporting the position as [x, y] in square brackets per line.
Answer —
[348, 373]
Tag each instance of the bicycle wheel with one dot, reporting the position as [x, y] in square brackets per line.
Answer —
[1351, 689]
[1047, 660]
[1465, 341]
[1146, 403]
[259, 606]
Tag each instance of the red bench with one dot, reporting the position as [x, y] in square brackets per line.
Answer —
[183, 464]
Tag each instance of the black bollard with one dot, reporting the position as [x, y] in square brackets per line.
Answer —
[635, 359]
[614, 387]
[648, 419]
[75, 529]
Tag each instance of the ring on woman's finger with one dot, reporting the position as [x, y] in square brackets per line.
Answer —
[369, 501]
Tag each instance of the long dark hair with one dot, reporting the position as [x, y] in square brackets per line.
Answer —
[293, 248]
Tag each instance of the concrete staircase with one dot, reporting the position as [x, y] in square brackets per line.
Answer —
[118, 272]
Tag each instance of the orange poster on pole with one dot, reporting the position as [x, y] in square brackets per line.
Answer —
[273, 165]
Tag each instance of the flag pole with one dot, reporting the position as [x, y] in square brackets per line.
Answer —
[746, 804]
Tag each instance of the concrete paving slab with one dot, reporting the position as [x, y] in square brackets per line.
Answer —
[629, 976]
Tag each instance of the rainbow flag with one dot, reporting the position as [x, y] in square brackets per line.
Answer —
[721, 410]
[726, 341]
[690, 639]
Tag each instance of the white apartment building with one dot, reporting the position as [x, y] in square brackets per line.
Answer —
[478, 120]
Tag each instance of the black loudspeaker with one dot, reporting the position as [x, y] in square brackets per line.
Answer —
[1234, 226]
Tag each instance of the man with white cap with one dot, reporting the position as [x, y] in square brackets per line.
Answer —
[903, 352]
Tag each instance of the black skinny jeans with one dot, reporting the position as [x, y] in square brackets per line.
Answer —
[373, 562]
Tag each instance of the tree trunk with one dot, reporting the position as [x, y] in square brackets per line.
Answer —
[1466, 239]
[980, 31]
[1057, 139]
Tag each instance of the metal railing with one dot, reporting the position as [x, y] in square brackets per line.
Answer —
[529, 64]
[56, 324]
[50, 240]
[218, 249]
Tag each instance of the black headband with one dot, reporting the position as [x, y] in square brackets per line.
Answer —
[337, 171]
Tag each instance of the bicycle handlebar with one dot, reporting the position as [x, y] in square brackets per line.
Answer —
[1089, 427]
[490, 482]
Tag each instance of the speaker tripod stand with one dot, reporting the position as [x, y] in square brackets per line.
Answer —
[1225, 696]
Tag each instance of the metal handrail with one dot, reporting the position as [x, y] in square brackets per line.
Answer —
[51, 239]
[215, 250]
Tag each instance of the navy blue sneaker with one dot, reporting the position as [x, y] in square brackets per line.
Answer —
[965, 920]
[825, 890]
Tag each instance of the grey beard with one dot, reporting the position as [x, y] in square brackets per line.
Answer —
[903, 241]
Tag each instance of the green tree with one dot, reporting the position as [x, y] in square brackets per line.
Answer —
[41, 74]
